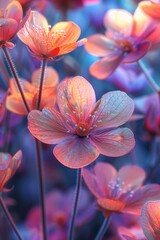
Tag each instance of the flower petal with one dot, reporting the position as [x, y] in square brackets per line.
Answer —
[131, 176]
[139, 52]
[151, 9]
[119, 20]
[8, 28]
[150, 220]
[14, 10]
[75, 152]
[134, 204]
[99, 45]
[64, 33]
[47, 126]
[15, 104]
[125, 234]
[114, 143]
[75, 98]
[50, 80]
[104, 67]
[112, 110]
[110, 205]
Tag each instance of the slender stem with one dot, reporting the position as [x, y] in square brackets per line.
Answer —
[40, 179]
[44, 61]
[15, 76]
[148, 76]
[103, 229]
[77, 191]
[10, 220]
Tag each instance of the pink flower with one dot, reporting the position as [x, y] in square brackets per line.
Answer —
[132, 233]
[150, 107]
[11, 14]
[31, 90]
[58, 212]
[82, 128]
[8, 167]
[122, 191]
[150, 220]
[46, 42]
[125, 41]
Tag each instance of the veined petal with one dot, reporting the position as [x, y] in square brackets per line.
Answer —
[119, 20]
[76, 98]
[67, 48]
[114, 143]
[104, 173]
[104, 67]
[139, 52]
[37, 21]
[112, 110]
[8, 28]
[99, 45]
[134, 204]
[131, 176]
[14, 10]
[92, 183]
[50, 80]
[47, 126]
[150, 220]
[64, 33]
[14, 103]
[75, 152]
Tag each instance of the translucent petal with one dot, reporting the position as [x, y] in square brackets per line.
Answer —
[114, 143]
[99, 45]
[150, 220]
[76, 98]
[112, 110]
[75, 152]
[8, 28]
[14, 10]
[103, 68]
[119, 20]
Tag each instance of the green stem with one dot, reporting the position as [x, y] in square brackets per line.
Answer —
[16, 77]
[148, 76]
[10, 220]
[77, 191]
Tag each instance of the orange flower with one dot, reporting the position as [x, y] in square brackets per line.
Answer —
[10, 21]
[46, 42]
[8, 166]
[14, 102]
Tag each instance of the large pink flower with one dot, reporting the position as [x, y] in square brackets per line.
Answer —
[82, 128]
[11, 14]
[122, 191]
[125, 41]
[150, 220]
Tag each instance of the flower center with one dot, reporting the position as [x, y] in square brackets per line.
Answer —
[82, 129]
[125, 46]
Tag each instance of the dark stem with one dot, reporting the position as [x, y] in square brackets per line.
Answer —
[103, 229]
[16, 77]
[10, 220]
[77, 191]
[40, 179]
[44, 61]
[148, 76]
